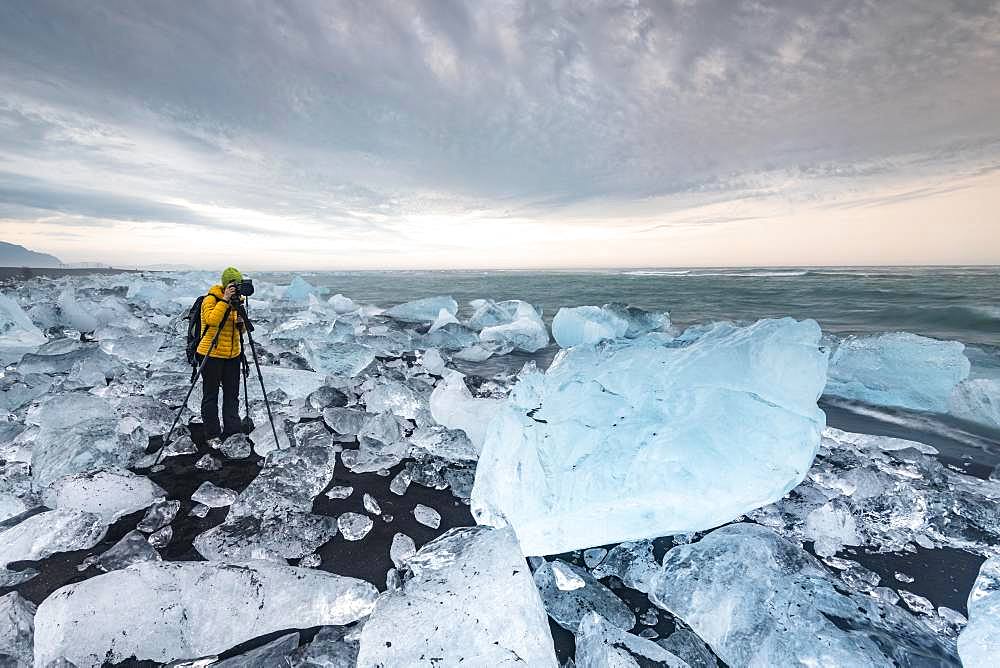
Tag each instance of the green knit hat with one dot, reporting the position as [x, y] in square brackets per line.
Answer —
[231, 274]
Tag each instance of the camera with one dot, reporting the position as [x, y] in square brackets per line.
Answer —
[244, 287]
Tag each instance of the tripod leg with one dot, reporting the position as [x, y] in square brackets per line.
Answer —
[260, 377]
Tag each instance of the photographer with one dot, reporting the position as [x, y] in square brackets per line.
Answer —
[223, 365]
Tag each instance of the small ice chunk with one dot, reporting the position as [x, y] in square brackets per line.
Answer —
[340, 492]
[569, 606]
[402, 549]
[345, 420]
[45, 534]
[159, 515]
[400, 483]
[831, 528]
[423, 310]
[199, 510]
[916, 602]
[586, 325]
[237, 446]
[277, 537]
[639, 321]
[311, 561]
[208, 463]
[288, 482]
[594, 556]
[432, 361]
[161, 538]
[16, 329]
[263, 437]
[444, 317]
[897, 369]
[213, 496]
[131, 549]
[525, 331]
[979, 642]
[453, 406]
[371, 505]
[333, 647]
[342, 304]
[17, 631]
[181, 445]
[108, 493]
[977, 400]
[632, 563]
[600, 644]
[427, 516]
[470, 601]
[566, 579]
[354, 526]
[299, 290]
[203, 608]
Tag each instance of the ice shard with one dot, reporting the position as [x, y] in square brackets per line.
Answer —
[639, 438]
[299, 290]
[289, 482]
[897, 369]
[276, 537]
[586, 325]
[524, 330]
[469, 600]
[979, 643]
[782, 607]
[17, 332]
[423, 310]
[131, 549]
[163, 611]
[44, 534]
[568, 606]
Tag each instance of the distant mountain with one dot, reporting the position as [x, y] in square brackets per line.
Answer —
[12, 255]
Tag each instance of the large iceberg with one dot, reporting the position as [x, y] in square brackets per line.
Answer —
[469, 600]
[163, 611]
[897, 369]
[759, 600]
[638, 439]
[587, 325]
[979, 643]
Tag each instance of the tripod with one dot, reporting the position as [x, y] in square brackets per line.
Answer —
[248, 326]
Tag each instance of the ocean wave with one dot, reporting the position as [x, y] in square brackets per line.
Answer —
[738, 274]
[650, 272]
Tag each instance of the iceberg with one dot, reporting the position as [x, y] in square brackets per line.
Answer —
[453, 406]
[897, 369]
[45, 534]
[107, 493]
[524, 330]
[299, 291]
[17, 631]
[979, 642]
[600, 644]
[468, 600]
[423, 310]
[782, 607]
[628, 440]
[164, 611]
[587, 325]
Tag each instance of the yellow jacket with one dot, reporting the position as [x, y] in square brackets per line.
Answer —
[213, 308]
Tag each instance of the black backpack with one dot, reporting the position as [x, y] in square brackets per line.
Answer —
[194, 330]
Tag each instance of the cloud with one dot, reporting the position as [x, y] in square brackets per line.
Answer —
[358, 117]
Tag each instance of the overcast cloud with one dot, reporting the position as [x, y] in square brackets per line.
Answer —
[386, 123]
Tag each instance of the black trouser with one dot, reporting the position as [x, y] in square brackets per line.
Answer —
[223, 373]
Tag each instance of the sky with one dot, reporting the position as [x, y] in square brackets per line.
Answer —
[502, 134]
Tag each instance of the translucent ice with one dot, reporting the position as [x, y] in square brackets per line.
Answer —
[159, 515]
[639, 321]
[585, 325]
[270, 655]
[342, 304]
[237, 446]
[977, 400]
[453, 406]
[213, 496]
[624, 442]
[45, 534]
[289, 482]
[831, 528]
[427, 516]
[16, 329]
[299, 290]
[202, 608]
[432, 361]
[263, 437]
[338, 359]
[354, 526]
[402, 548]
[524, 331]
[632, 563]
[782, 607]
[423, 310]
[469, 600]
[444, 317]
[73, 314]
[979, 643]
[569, 607]
[17, 631]
[600, 644]
[131, 549]
[897, 369]
[108, 493]
[690, 648]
